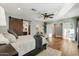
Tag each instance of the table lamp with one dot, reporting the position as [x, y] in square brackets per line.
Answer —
[3, 25]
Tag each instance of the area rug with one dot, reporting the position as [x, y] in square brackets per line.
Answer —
[50, 52]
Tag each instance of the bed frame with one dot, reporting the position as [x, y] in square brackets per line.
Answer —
[35, 51]
[7, 50]
[12, 52]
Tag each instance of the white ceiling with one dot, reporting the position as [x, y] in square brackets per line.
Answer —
[11, 8]
[26, 12]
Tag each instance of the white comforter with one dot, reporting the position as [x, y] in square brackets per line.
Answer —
[25, 44]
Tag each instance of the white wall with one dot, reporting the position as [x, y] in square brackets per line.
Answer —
[34, 24]
[50, 29]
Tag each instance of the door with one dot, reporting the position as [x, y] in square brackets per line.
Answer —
[58, 30]
[16, 25]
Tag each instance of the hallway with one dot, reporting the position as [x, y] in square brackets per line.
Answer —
[67, 47]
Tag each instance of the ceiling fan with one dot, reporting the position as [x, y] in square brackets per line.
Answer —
[45, 15]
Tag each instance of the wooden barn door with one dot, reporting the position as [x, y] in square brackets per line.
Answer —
[16, 25]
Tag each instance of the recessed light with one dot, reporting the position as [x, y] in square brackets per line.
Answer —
[19, 9]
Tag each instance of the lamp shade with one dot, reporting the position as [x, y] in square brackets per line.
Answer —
[2, 17]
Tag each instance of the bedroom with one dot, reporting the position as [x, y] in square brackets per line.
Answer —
[24, 20]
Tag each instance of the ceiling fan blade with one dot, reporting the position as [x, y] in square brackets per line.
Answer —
[43, 14]
[34, 9]
[50, 17]
[50, 14]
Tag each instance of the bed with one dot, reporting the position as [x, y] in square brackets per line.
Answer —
[24, 45]
[27, 44]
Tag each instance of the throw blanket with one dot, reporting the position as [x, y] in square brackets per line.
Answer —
[38, 40]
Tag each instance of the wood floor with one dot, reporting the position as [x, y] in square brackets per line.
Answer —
[67, 47]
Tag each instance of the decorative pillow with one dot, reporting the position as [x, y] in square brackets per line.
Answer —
[3, 40]
[12, 32]
[10, 37]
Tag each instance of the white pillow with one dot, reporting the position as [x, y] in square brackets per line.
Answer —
[10, 37]
[3, 40]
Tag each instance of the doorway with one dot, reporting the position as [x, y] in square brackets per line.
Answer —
[58, 30]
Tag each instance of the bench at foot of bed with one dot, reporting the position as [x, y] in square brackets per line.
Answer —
[7, 50]
[35, 51]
